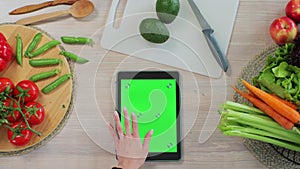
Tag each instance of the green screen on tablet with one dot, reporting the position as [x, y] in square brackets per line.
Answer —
[154, 100]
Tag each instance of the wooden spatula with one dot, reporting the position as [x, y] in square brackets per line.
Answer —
[34, 7]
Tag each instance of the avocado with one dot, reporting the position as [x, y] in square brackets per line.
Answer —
[167, 10]
[153, 30]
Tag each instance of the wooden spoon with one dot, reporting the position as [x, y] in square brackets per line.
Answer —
[79, 9]
[34, 7]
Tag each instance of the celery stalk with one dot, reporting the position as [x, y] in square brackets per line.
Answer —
[240, 120]
[262, 130]
[253, 119]
[264, 139]
[241, 107]
[293, 137]
[259, 120]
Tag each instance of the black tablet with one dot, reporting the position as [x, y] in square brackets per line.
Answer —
[154, 97]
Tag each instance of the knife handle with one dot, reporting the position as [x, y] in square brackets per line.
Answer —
[30, 8]
[215, 48]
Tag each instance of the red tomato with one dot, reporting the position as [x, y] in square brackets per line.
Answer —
[5, 83]
[27, 90]
[2, 37]
[5, 51]
[2, 64]
[10, 106]
[18, 134]
[34, 112]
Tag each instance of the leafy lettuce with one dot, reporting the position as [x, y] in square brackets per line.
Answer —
[279, 77]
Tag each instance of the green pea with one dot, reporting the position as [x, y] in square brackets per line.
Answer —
[77, 40]
[44, 75]
[19, 50]
[33, 44]
[59, 81]
[45, 62]
[73, 57]
[44, 48]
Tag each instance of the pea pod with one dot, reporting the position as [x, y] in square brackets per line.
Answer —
[33, 44]
[50, 87]
[44, 48]
[73, 57]
[45, 62]
[77, 40]
[44, 75]
[19, 50]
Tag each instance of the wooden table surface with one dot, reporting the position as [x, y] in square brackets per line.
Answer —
[74, 147]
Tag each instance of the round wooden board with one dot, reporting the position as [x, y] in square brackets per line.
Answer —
[57, 103]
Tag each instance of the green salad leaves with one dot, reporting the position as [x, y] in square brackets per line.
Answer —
[279, 77]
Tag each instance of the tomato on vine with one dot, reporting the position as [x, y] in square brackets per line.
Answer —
[11, 109]
[19, 134]
[26, 91]
[34, 112]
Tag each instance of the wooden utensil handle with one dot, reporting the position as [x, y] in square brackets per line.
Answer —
[41, 17]
[30, 8]
[66, 2]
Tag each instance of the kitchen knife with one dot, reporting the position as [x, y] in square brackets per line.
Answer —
[34, 7]
[210, 38]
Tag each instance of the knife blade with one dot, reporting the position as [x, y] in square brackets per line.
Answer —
[209, 36]
[34, 7]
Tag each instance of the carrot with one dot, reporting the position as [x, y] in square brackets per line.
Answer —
[284, 122]
[250, 93]
[293, 106]
[276, 104]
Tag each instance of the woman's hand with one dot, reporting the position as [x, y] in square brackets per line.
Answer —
[131, 152]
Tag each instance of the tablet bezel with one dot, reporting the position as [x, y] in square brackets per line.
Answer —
[155, 75]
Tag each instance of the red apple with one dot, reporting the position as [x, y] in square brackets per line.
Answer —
[283, 30]
[292, 10]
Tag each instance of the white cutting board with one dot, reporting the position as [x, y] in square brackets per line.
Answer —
[187, 48]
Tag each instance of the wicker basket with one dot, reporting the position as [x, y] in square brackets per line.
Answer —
[270, 155]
